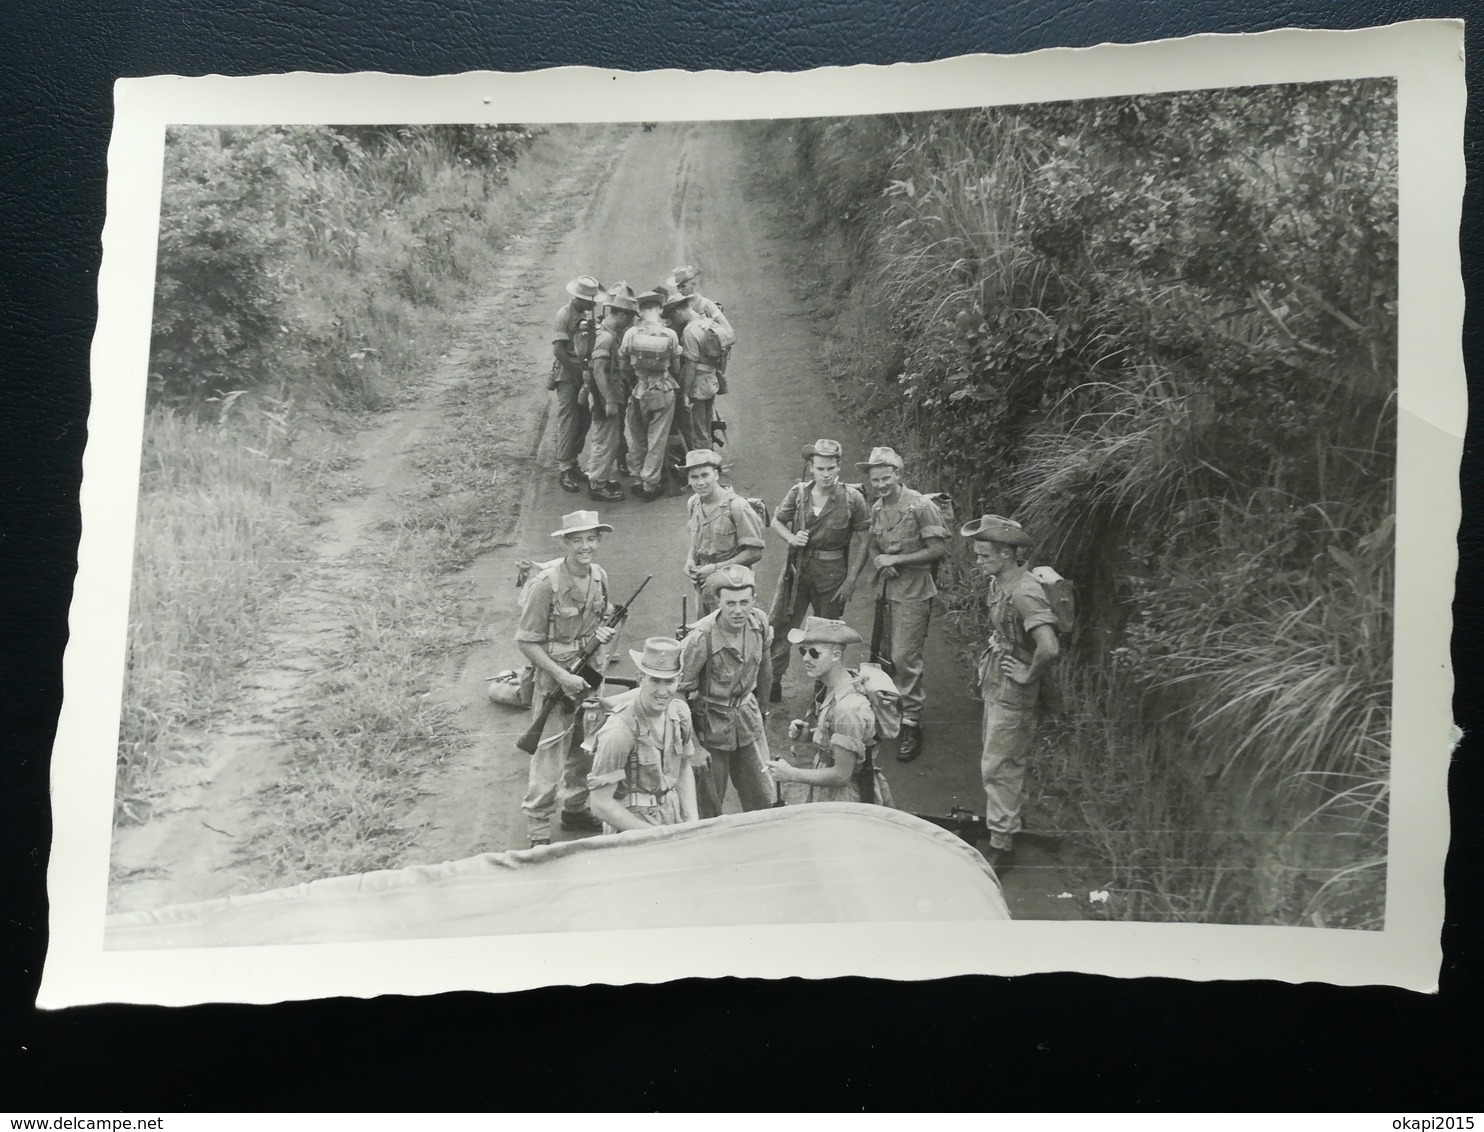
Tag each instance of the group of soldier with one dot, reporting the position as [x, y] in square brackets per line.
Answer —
[694, 724]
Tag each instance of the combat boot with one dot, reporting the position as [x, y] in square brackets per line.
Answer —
[910, 744]
[570, 481]
[605, 492]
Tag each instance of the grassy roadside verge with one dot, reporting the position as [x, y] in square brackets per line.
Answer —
[235, 485]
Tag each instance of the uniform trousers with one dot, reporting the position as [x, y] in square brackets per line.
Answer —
[559, 769]
[648, 429]
[744, 768]
[907, 628]
[603, 438]
[1006, 736]
[815, 589]
[573, 419]
[695, 423]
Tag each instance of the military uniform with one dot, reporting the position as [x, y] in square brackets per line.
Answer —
[605, 433]
[1017, 605]
[646, 761]
[718, 531]
[651, 404]
[904, 528]
[561, 613]
[573, 416]
[700, 381]
[722, 676]
[820, 567]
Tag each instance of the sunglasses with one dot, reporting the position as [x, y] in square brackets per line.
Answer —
[811, 653]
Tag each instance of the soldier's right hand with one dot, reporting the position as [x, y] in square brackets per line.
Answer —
[797, 728]
[799, 538]
[573, 684]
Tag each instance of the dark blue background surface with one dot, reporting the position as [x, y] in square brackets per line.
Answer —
[1044, 1042]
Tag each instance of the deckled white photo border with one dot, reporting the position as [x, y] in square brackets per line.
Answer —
[1426, 59]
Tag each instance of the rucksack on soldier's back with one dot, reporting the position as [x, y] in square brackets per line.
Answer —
[651, 351]
[715, 340]
[1061, 595]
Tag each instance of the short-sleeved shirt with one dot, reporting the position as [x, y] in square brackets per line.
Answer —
[643, 759]
[706, 384]
[847, 723]
[648, 382]
[845, 513]
[721, 529]
[562, 613]
[705, 308]
[605, 348]
[724, 678]
[904, 528]
[1017, 605]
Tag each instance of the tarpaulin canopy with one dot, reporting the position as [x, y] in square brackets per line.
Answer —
[809, 864]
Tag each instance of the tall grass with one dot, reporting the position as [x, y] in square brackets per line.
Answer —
[225, 511]
[1160, 331]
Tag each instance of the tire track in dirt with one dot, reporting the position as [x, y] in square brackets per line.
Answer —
[192, 846]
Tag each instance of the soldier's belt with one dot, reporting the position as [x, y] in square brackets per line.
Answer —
[643, 798]
[825, 555]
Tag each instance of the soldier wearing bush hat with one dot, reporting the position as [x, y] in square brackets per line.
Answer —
[608, 395]
[723, 526]
[826, 525]
[908, 537]
[842, 730]
[562, 610]
[644, 756]
[572, 342]
[686, 279]
[700, 370]
[1022, 647]
[649, 355]
[726, 666]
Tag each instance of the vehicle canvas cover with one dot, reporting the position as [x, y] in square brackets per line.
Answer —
[837, 862]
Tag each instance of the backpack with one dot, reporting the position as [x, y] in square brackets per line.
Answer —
[1061, 594]
[761, 507]
[880, 690]
[715, 341]
[651, 352]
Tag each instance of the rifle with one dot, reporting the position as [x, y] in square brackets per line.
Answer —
[878, 631]
[684, 627]
[580, 665]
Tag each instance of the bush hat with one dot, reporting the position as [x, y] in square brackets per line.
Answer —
[575, 522]
[700, 458]
[821, 630]
[660, 658]
[732, 576]
[881, 458]
[650, 298]
[620, 288]
[685, 273]
[997, 528]
[585, 287]
[618, 301]
[830, 449]
[677, 300]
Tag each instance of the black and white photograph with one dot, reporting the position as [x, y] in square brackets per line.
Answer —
[939, 520]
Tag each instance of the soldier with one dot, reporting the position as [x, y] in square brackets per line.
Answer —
[844, 733]
[723, 526]
[609, 397]
[826, 525]
[699, 372]
[686, 279]
[622, 288]
[568, 375]
[650, 352]
[644, 754]
[1022, 647]
[561, 613]
[726, 666]
[907, 537]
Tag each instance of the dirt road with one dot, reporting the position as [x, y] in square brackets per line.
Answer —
[677, 195]
[633, 207]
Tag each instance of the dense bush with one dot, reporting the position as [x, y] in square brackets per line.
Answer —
[1161, 331]
[293, 256]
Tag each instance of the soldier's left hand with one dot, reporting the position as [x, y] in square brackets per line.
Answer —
[1017, 670]
[886, 562]
[605, 633]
